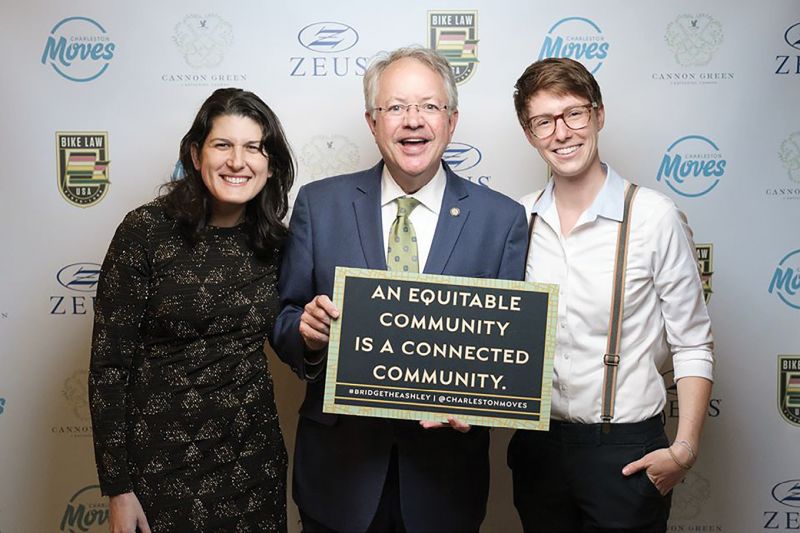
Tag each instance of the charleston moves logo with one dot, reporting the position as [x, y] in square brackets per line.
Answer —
[789, 388]
[329, 155]
[786, 280]
[82, 166]
[87, 510]
[705, 263]
[454, 34]
[790, 63]
[461, 157]
[576, 38]
[331, 40]
[79, 49]
[692, 166]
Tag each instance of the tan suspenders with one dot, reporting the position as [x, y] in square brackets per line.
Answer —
[611, 357]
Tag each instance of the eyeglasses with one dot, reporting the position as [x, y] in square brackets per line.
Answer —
[576, 118]
[399, 110]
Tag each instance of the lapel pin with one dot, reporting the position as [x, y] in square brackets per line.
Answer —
[454, 211]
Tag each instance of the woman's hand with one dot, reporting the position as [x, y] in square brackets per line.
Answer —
[126, 514]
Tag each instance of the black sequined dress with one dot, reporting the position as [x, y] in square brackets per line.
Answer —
[181, 397]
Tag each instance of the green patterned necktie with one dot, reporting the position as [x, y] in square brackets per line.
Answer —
[402, 249]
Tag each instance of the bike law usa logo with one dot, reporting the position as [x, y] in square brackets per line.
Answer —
[454, 34]
[82, 166]
[789, 388]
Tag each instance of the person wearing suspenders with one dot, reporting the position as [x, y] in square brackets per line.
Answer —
[630, 298]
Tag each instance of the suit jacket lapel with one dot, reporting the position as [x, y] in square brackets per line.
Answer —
[367, 207]
[452, 217]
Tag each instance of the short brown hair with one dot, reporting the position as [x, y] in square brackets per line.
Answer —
[561, 76]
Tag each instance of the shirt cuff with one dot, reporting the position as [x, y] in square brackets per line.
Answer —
[697, 363]
[314, 363]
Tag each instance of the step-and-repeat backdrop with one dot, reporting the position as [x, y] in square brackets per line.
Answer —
[701, 104]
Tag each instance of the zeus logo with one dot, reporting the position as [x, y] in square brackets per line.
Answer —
[80, 277]
[790, 64]
[77, 277]
[328, 37]
[462, 156]
[786, 493]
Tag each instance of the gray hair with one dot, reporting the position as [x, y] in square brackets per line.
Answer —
[430, 58]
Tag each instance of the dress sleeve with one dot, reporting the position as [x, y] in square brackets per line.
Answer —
[121, 301]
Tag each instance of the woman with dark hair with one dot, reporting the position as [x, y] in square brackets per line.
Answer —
[186, 431]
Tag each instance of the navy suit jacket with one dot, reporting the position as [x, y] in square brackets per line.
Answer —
[340, 462]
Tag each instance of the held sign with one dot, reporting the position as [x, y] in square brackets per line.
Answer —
[424, 347]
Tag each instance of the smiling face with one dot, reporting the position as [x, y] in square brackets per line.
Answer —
[571, 154]
[233, 166]
[412, 144]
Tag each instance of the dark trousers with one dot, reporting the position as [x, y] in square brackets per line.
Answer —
[570, 478]
[388, 517]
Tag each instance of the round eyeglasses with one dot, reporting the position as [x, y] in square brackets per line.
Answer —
[576, 118]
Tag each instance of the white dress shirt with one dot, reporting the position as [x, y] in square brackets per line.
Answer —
[424, 217]
[664, 310]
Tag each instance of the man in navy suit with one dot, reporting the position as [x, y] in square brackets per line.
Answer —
[372, 474]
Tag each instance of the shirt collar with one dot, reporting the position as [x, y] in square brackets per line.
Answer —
[609, 202]
[430, 196]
